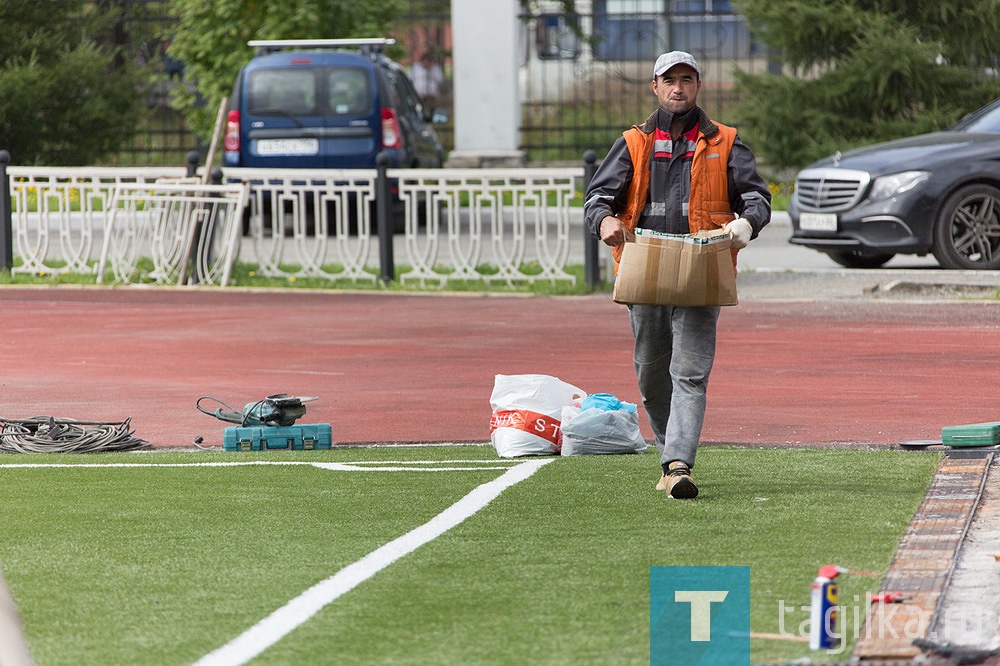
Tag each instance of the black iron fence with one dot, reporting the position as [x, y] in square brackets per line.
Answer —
[161, 136]
[585, 75]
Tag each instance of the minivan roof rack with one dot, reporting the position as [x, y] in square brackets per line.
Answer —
[273, 45]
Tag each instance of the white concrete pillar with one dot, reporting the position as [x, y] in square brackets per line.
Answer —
[484, 71]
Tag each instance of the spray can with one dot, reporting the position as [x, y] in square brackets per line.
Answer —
[823, 609]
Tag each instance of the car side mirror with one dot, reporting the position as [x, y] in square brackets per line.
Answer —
[439, 116]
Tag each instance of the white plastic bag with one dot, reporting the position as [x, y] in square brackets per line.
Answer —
[527, 413]
[598, 431]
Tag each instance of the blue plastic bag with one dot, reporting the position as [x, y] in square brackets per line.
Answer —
[607, 402]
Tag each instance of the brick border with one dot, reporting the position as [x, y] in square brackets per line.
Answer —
[925, 559]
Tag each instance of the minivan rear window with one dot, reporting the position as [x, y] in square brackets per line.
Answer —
[309, 91]
[349, 91]
[280, 92]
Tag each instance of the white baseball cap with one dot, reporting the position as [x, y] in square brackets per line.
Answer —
[668, 60]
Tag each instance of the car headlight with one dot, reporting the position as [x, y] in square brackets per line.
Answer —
[889, 186]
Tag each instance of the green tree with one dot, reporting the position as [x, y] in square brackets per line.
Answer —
[211, 40]
[860, 71]
[67, 97]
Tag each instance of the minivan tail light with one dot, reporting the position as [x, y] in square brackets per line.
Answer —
[391, 137]
[231, 141]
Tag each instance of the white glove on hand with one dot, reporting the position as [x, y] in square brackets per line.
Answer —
[741, 230]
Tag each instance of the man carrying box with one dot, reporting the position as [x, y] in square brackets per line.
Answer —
[677, 173]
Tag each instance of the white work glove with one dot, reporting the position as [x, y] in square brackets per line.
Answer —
[741, 230]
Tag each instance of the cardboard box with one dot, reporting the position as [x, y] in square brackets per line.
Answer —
[688, 269]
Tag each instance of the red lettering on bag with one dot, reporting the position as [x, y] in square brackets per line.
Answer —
[541, 425]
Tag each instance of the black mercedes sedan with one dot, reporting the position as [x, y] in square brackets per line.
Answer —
[936, 193]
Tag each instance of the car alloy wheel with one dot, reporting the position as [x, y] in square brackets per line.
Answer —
[967, 233]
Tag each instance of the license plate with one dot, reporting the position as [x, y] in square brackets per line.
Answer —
[288, 146]
[818, 221]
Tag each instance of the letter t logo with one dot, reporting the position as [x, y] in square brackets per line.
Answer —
[701, 610]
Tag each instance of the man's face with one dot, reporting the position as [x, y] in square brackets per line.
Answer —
[677, 89]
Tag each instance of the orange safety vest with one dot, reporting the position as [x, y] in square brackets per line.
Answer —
[708, 206]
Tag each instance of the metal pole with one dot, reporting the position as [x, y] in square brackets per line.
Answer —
[591, 263]
[192, 163]
[213, 221]
[6, 216]
[383, 218]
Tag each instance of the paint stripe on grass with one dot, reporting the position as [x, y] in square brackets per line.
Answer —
[296, 612]
[358, 466]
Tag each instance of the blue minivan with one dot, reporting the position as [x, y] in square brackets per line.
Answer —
[327, 104]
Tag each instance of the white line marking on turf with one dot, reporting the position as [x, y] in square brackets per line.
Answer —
[354, 466]
[296, 612]
[495, 461]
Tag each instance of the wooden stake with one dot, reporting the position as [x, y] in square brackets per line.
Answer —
[206, 177]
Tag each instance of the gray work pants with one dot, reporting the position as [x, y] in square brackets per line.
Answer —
[674, 352]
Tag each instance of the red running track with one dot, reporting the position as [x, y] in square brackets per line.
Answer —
[418, 368]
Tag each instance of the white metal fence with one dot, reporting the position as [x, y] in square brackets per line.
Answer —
[189, 231]
[510, 225]
[497, 225]
[310, 223]
[58, 213]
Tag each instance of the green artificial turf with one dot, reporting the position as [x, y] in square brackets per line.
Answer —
[161, 565]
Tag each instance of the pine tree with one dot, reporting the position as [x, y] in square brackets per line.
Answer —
[67, 96]
[861, 71]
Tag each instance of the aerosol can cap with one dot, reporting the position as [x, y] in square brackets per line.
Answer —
[830, 571]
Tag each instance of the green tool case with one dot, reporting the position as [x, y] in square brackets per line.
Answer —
[294, 438]
[973, 434]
